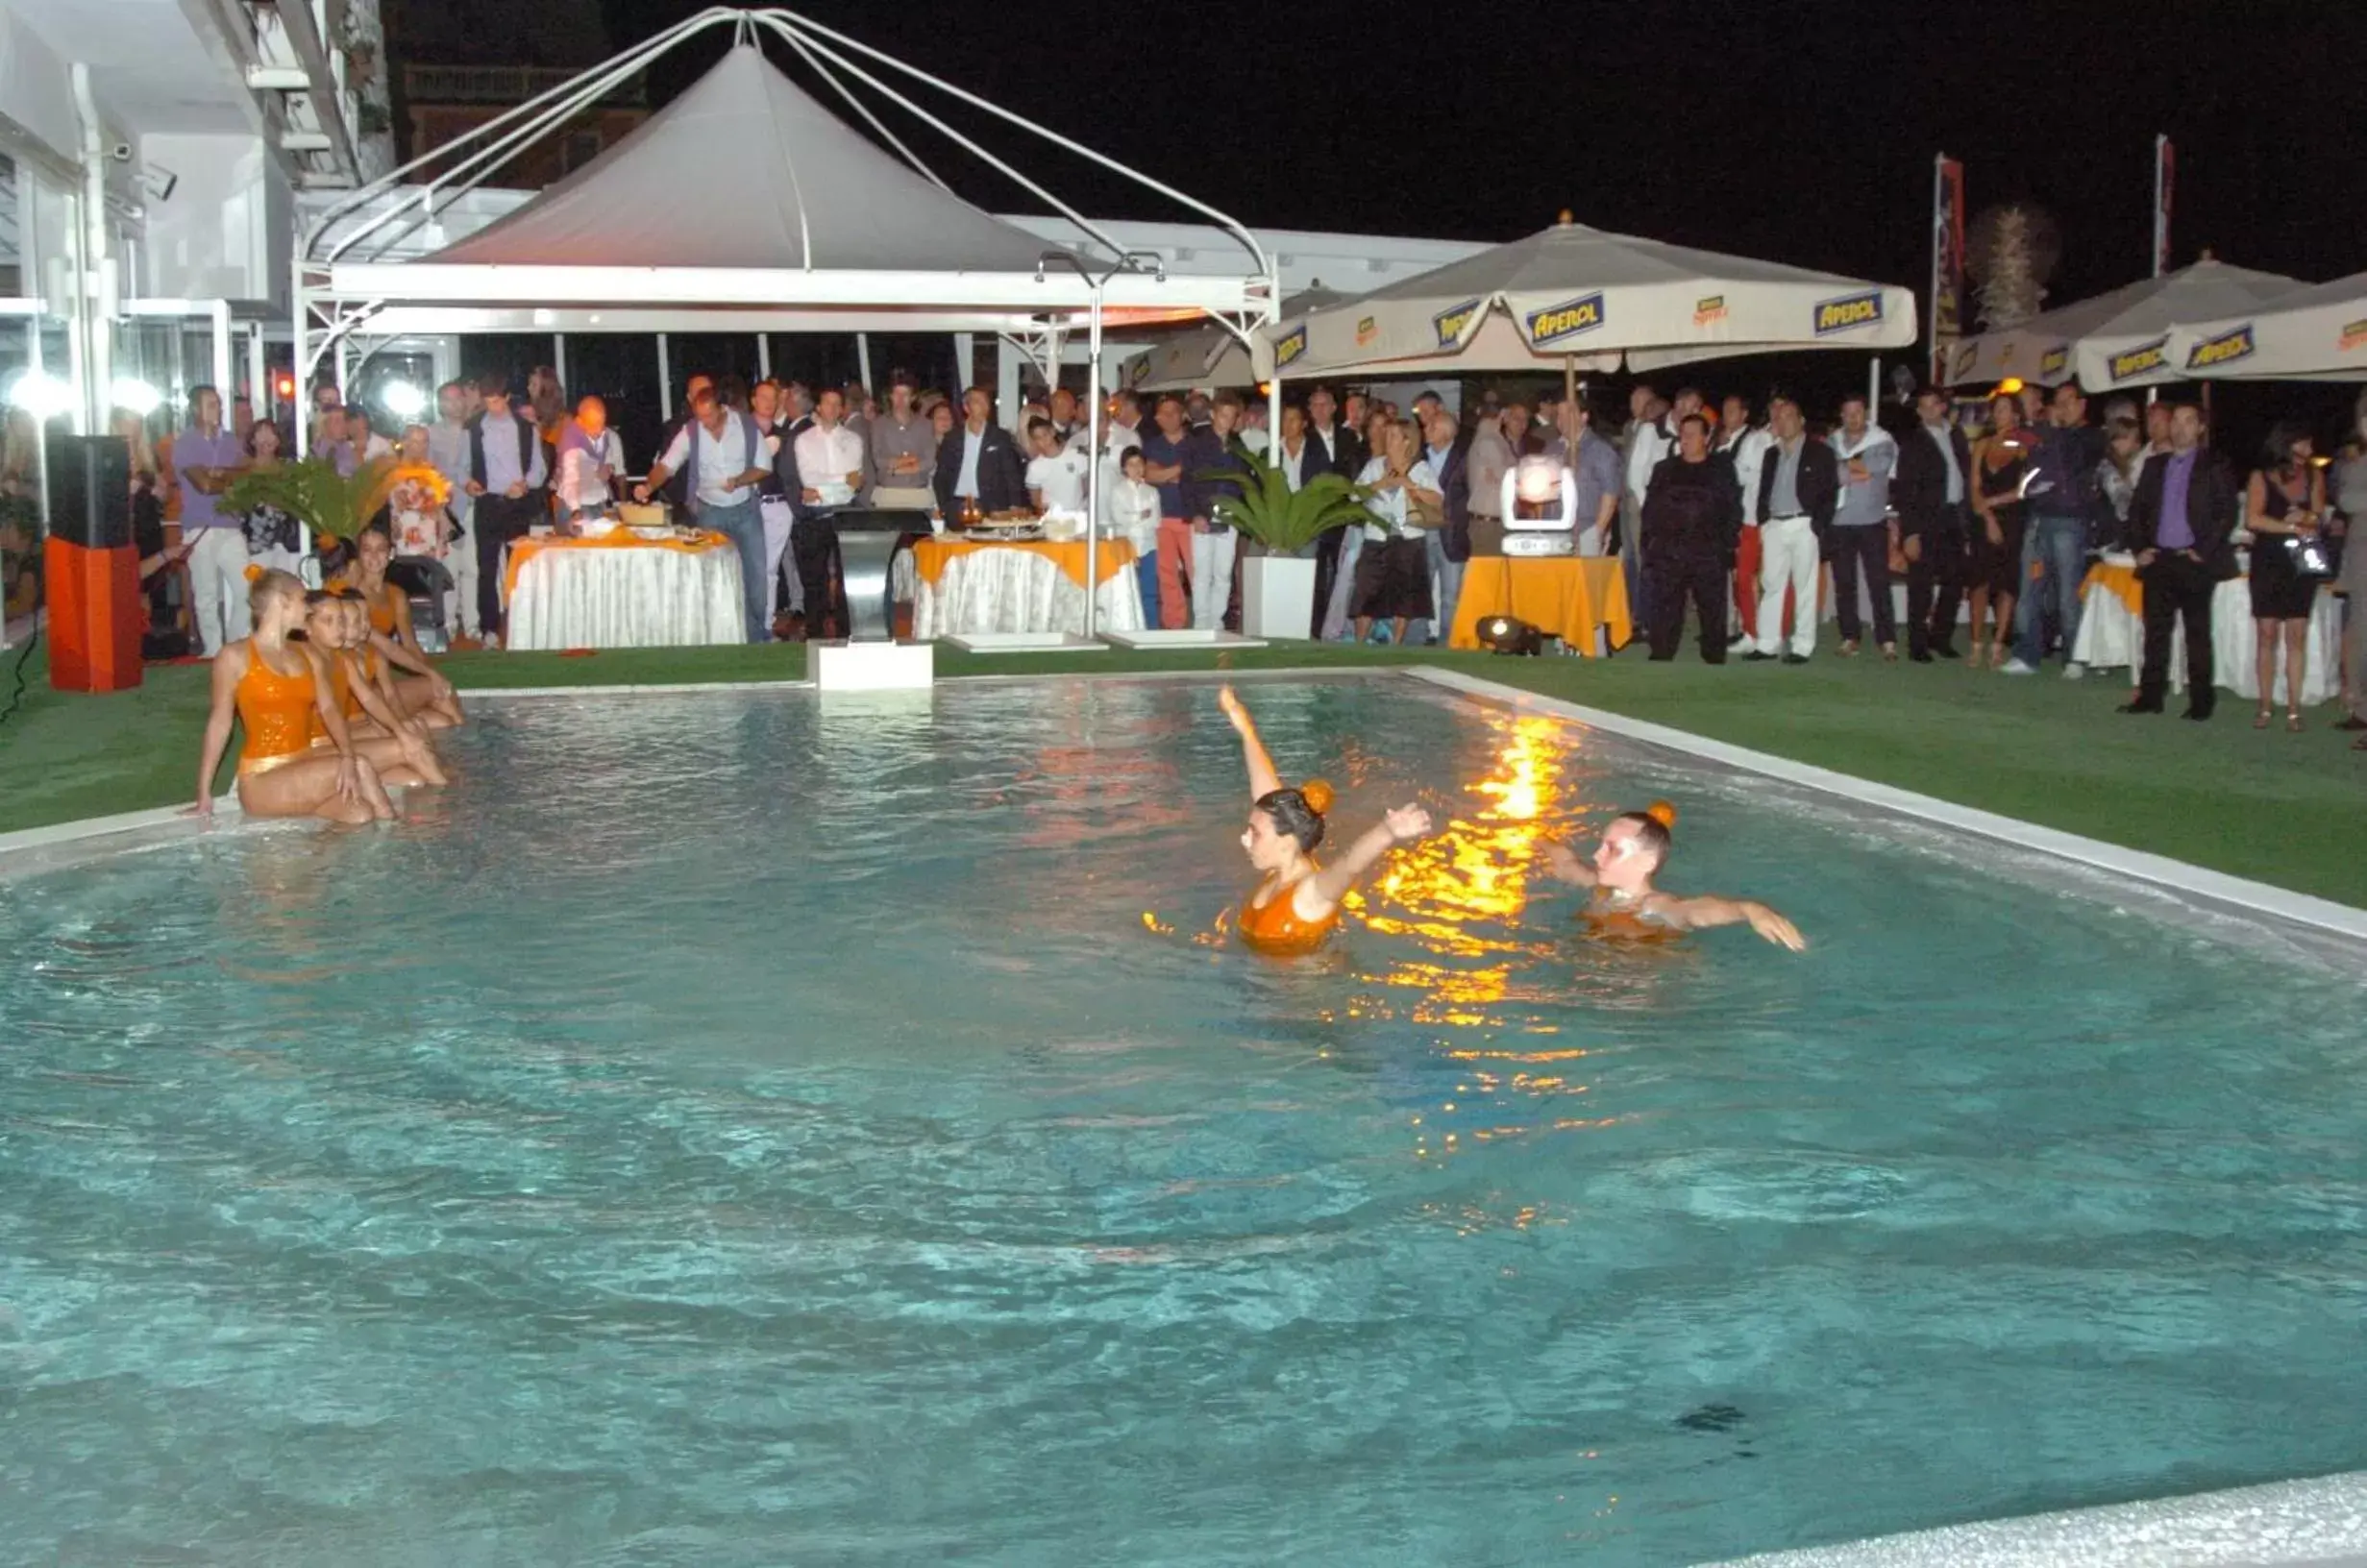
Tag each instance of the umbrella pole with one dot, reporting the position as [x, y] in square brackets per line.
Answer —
[1569, 377]
[1093, 462]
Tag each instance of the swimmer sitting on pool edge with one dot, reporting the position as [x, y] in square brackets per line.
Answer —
[1297, 903]
[1634, 847]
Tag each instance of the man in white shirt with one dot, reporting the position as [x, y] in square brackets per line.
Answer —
[1056, 473]
[830, 454]
[1745, 445]
[591, 457]
[724, 454]
[448, 450]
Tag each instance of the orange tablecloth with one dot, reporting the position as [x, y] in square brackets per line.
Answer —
[1569, 597]
[522, 551]
[2120, 581]
[1114, 555]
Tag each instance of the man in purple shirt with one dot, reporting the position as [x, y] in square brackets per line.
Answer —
[2179, 524]
[207, 457]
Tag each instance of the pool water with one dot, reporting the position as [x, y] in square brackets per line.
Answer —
[727, 1130]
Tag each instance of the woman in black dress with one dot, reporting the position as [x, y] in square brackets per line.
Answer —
[1993, 556]
[2285, 503]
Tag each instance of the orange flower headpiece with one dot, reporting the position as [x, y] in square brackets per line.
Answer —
[1663, 812]
[254, 573]
[1317, 794]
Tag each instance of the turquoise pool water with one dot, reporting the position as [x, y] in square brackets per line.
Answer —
[723, 1131]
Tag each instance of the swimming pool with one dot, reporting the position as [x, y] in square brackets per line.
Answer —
[727, 1130]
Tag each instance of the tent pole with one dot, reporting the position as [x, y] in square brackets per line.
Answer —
[1569, 379]
[764, 357]
[1873, 387]
[1093, 465]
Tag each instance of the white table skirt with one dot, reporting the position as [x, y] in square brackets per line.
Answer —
[628, 599]
[2111, 638]
[1010, 589]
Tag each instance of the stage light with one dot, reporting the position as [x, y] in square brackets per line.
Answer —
[284, 386]
[135, 396]
[2008, 387]
[403, 399]
[39, 393]
[1502, 634]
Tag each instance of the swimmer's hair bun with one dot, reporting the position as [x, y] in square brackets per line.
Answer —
[1663, 812]
[254, 573]
[1316, 793]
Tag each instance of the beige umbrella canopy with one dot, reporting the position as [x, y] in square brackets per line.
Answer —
[2317, 333]
[2121, 339]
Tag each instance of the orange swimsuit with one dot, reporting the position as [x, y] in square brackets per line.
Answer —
[276, 711]
[1276, 927]
[341, 691]
[1610, 918]
[382, 610]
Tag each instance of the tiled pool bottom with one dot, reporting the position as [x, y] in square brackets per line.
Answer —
[753, 1134]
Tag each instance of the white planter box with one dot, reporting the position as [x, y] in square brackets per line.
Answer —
[1277, 597]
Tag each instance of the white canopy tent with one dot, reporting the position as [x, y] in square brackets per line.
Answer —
[746, 202]
[2116, 340]
[2317, 333]
[1573, 298]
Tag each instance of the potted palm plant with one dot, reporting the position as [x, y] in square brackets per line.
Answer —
[1277, 588]
[336, 506]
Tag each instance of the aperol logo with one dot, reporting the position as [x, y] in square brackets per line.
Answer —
[1849, 310]
[2136, 361]
[1568, 319]
[1293, 346]
[2353, 334]
[1450, 324]
[1367, 329]
[1708, 310]
[2053, 361]
[2223, 348]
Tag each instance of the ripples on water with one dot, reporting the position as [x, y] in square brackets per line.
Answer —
[723, 1131]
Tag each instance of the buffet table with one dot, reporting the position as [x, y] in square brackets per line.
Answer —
[964, 586]
[1569, 597]
[2112, 634]
[622, 591]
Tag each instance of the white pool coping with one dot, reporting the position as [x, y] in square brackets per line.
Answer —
[2319, 1523]
[2286, 1524]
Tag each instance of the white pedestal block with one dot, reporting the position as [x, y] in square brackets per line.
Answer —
[1025, 642]
[1187, 638]
[873, 667]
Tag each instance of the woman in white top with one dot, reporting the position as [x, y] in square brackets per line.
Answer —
[1392, 571]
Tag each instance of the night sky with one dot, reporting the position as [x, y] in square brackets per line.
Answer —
[1802, 134]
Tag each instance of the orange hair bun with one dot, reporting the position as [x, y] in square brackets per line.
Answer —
[1663, 812]
[1318, 796]
[254, 573]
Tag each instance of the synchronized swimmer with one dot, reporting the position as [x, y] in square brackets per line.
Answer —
[1296, 904]
[327, 726]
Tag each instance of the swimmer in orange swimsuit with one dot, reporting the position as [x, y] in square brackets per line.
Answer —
[276, 689]
[1297, 903]
[1627, 906]
[395, 746]
[423, 694]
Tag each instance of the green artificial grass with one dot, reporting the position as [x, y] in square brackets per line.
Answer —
[2284, 809]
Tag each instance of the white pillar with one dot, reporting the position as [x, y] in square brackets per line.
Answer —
[259, 376]
[1092, 463]
[559, 358]
[665, 382]
[863, 362]
[965, 365]
[764, 357]
[1006, 382]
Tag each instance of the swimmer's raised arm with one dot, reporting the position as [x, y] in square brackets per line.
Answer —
[1562, 864]
[1702, 914]
[1263, 779]
[1322, 891]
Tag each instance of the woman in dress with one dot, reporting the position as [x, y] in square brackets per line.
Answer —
[274, 538]
[1993, 562]
[1296, 902]
[276, 690]
[1392, 571]
[423, 691]
[2285, 503]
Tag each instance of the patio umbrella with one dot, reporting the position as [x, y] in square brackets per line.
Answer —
[2318, 334]
[1573, 298]
[2121, 339]
[1208, 356]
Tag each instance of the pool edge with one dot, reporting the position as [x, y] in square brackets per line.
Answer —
[2178, 875]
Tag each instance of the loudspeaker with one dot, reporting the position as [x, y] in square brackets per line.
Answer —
[90, 491]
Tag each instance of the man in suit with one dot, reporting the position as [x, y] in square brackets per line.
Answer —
[1448, 449]
[506, 475]
[2180, 523]
[1691, 516]
[1929, 492]
[1799, 488]
[979, 461]
[1332, 448]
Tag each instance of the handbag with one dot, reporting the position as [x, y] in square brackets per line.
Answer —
[2310, 558]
